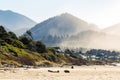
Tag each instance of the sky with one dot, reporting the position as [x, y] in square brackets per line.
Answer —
[103, 13]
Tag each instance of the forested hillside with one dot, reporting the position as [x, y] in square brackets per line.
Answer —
[24, 51]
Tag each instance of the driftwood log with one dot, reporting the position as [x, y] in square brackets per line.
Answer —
[72, 67]
[53, 71]
[66, 71]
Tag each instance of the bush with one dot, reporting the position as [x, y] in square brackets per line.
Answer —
[45, 64]
[12, 35]
[10, 63]
[25, 60]
[40, 47]
[18, 44]
[2, 42]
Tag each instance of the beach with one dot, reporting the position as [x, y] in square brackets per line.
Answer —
[78, 73]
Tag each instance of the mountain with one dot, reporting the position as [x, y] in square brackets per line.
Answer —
[15, 21]
[114, 30]
[67, 30]
[60, 27]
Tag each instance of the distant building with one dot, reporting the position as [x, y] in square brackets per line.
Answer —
[58, 49]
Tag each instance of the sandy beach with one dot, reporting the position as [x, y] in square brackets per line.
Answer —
[78, 73]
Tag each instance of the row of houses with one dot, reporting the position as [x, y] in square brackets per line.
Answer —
[91, 56]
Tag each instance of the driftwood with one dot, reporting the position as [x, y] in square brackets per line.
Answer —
[53, 71]
[72, 67]
[66, 71]
[5, 69]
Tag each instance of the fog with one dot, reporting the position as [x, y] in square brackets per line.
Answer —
[94, 40]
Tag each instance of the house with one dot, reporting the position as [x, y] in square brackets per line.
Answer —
[58, 49]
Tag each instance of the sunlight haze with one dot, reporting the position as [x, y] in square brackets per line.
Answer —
[103, 13]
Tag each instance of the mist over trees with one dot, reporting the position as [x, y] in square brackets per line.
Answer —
[66, 30]
[25, 51]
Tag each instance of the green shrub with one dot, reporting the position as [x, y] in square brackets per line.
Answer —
[18, 44]
[2, 42]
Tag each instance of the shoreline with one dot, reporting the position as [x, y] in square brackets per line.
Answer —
[95, 72]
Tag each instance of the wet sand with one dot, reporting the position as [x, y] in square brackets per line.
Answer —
[78, 73]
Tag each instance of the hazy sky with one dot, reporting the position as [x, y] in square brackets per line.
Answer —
[101, 12]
